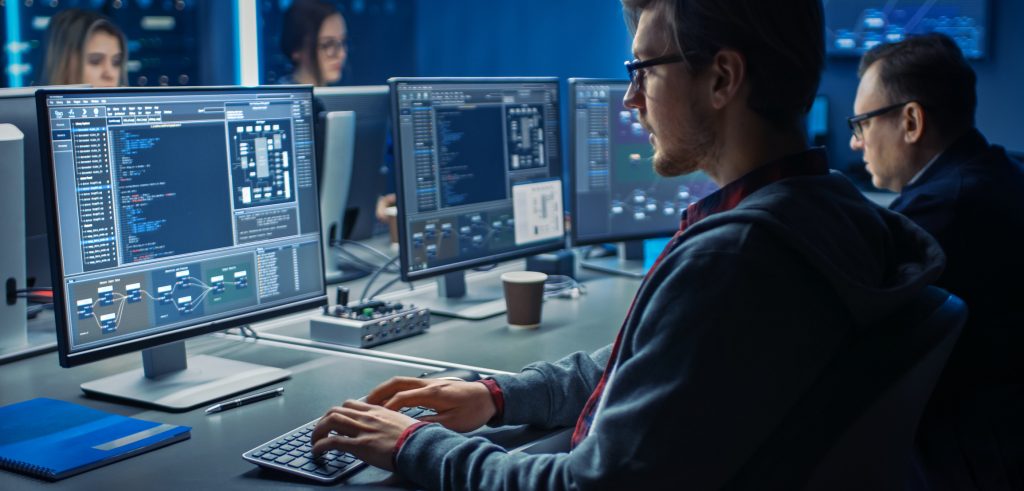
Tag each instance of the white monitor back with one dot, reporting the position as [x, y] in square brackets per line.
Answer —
[13, 334]
[339, 146]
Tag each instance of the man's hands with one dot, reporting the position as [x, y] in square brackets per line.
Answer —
[460, 406]
[364, 430]
[370, 430]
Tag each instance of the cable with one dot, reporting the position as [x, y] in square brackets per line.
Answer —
[563, 287]
[365, 247]
[367, 265]
[373, 278]
[384, 287]
[355, 262]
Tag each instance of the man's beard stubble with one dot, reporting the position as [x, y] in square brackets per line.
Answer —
[694, 148]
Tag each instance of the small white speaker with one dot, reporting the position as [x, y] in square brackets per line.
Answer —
[13, 333]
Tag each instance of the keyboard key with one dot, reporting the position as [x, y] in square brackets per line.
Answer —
[287, 448]
[324, 471]
[268, 456]
[278, 451]
[284, 459]
[299, 462]
[348, 458]
[296, 453]
[310, 466]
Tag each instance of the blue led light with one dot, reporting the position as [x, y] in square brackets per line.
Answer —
[13, 45]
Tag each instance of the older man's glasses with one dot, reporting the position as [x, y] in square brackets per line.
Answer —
[856, 122]
[637, 69]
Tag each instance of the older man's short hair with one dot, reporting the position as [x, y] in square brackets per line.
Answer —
[931, 70]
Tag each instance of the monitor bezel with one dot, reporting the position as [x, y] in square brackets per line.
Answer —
[403, 239]
[66, 357]
[575, 238]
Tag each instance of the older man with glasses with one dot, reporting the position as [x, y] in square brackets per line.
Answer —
[915, 126]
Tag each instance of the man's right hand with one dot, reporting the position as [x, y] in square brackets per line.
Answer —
[460, 406]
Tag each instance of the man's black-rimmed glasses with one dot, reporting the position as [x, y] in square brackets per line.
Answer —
[636, 71]
[855, 121]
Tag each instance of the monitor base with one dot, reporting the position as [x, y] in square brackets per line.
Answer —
[454, 296]
[631, 268]
[206, 380]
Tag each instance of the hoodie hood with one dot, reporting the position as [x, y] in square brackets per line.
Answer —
[886, 263]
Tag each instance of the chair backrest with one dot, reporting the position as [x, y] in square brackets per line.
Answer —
[855, 428]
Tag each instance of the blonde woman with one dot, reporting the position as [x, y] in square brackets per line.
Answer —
[85, 48]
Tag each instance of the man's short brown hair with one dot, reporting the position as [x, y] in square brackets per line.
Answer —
[783, 42]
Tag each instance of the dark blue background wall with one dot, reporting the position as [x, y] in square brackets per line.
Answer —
[587, 38]
[564, 38]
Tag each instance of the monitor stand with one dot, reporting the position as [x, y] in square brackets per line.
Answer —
[485, 297]
[628, 262]
[172, 382]
[335, 271]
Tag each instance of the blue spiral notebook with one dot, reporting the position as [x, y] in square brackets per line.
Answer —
[55, 439]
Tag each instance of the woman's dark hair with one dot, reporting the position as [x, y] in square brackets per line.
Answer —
[302, 23]
[783, 42]
[68, 32]
[931, 70]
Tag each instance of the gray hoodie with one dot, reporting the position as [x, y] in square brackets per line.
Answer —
[728, 334]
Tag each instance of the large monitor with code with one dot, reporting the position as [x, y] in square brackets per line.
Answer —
[174, 213]
[617, 196]
[479, 180]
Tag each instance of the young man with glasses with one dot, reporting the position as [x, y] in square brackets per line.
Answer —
[915, 126]
[716, 375]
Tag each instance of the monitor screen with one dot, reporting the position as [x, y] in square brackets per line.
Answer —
[617, 196]
[177, 212]
[855, 26]
[479, 171]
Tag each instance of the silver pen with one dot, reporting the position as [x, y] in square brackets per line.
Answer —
[241, 401]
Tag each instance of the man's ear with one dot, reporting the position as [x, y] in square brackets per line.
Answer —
[913, 122]
[728, 71]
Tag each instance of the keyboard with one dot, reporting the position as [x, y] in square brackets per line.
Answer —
[292, 452]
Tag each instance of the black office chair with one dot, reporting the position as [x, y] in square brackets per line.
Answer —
[855, 428]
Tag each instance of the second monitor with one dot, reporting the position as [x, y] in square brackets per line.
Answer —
[617, 195]
[479, 181]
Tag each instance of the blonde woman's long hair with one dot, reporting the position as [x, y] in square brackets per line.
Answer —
[69, 30]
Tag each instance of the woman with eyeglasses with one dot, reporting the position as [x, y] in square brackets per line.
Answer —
[315, 39]
[85, 48]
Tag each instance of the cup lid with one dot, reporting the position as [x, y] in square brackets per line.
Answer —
[524, 277]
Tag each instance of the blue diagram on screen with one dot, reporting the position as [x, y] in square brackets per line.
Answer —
[853, 27]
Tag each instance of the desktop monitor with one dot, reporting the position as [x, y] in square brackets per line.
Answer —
[18, 107]
[817, 122]
[339, 129]
[174, 213]
[852, 27]
[617, 196]
[479, 181]
[370, 172]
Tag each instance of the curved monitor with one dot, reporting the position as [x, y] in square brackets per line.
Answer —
[177, 212]
[616, 194]
[479, 171]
